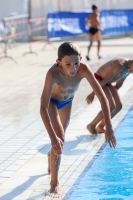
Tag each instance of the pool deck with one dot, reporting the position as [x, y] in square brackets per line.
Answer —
[24, 141]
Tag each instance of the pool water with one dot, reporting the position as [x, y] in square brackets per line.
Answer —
[110, 176]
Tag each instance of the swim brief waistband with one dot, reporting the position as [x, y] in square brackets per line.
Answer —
[98, 77]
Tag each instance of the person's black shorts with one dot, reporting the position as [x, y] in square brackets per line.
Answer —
[93, 30]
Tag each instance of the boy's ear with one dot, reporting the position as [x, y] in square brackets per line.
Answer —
[58, 62]
[80, 58]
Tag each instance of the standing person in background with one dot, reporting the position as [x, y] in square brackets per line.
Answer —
[95, 31]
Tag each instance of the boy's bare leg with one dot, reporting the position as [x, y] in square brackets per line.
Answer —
[92, 126]
[90, 45]
[55, 164]
[100, 127]
[98, 38]
[49, 166]
[59, 121]
[118, 104]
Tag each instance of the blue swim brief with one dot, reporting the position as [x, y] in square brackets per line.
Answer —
[61, 104]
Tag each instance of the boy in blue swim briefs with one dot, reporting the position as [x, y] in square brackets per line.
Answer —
[61, 82]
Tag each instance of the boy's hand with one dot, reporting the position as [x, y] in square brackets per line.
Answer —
[57, 145]
[90, 98]
[101, 29]
[110, 138]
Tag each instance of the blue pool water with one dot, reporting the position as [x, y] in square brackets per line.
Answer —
[110, 176]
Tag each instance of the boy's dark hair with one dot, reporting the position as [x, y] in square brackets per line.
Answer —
[68, 49]
[94, 7]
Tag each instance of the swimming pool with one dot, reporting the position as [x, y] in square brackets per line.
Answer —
[110, 174]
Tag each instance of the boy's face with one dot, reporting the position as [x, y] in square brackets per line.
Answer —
[70, 64]
[96, 10]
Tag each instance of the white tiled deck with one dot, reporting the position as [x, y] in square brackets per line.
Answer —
[24, 142]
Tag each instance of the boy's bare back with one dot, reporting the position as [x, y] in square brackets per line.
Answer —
[114, 70]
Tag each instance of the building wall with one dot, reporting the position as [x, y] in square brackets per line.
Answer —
[11, 6]
[40, 8]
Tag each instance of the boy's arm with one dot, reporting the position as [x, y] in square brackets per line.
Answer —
[57, 144]
[109, 134]
[119, 83]
[98, 20]
[88, 21]
[90, 97]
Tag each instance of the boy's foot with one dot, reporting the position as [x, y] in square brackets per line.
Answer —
[55, 190]
[49, 169]
[87, 58]
[91, 129]
[99, 57]
[100, 129]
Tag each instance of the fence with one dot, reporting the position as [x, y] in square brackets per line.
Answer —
[14, 31]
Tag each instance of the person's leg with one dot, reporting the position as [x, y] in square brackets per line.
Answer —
[92, 126]
[90, 45]
[49, 168]
[59, 120]
[98, 38]
[57, 126]
[118, 107]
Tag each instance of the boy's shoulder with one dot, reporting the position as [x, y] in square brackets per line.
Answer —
[119, 62]
[90, 15]
[54, 68]
[84, 66]
[53, 71]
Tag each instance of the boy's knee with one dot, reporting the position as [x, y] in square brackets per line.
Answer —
[63, 140]
[99, 43]
[112, 108]
[91, 42]
[119, 107]
[116, 109]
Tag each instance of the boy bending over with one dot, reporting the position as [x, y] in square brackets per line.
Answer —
[114, 71]
[62, 81]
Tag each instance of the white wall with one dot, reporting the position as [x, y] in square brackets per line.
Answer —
[70, 5]
[40, 8]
